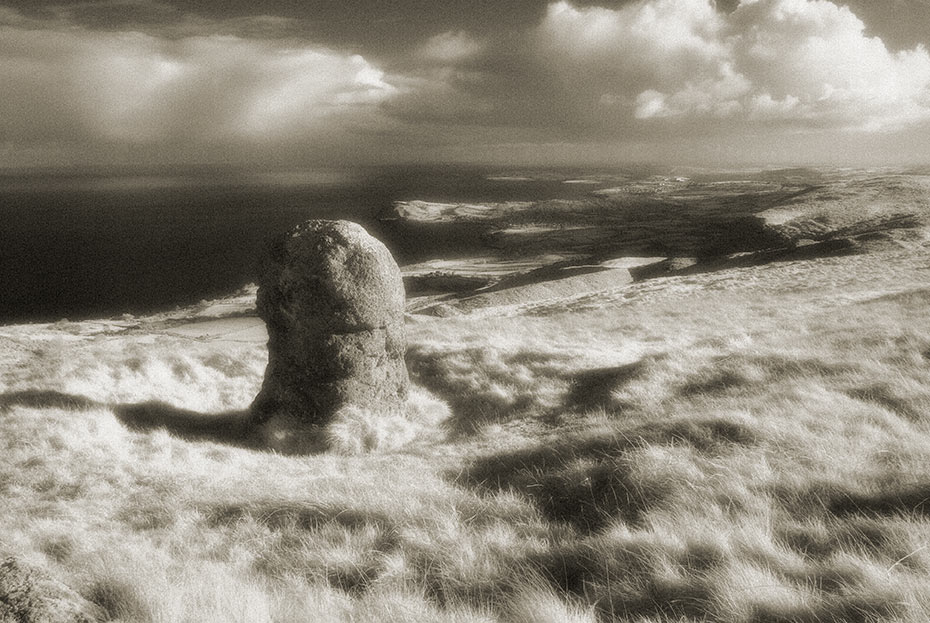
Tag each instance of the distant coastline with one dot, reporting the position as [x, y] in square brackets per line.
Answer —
[83, 242]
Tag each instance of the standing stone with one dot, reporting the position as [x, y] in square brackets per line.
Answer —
[332, 298]
[29, 595]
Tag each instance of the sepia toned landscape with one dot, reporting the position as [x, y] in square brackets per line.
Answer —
[533, 311]
[678, 398]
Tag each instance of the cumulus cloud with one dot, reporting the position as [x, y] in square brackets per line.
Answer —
[75, 84]
[806, 63]
[450, 47]
[655, 67]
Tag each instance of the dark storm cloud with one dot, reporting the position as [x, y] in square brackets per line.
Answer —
[391, 26]
[378, 28]
[373, 27]
[901, 24]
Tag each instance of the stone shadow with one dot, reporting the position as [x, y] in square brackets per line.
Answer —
[230, 428]
[46, 399]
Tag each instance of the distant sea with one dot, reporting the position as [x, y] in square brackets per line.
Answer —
[86, 244]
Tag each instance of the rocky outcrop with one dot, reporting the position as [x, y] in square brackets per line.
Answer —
[333, 302]
[28, 595]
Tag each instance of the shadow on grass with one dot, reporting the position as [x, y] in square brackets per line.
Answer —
[629, 579]
[301, 530]
[590, 481]
[715, 383]
[621, 579]
[884, 396]
[231, 428]
[277, 515]
[592, 389]
[846, 608]
[734, 373]
[483, 386]
[913, 500]
[46, 399]
[877, 501]
[821, 540]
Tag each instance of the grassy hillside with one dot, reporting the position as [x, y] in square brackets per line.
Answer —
[744, 444]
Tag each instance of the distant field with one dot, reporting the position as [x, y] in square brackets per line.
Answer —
[744, 439]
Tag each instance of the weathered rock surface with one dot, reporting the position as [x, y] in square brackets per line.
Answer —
[28, 595]
[332, 298]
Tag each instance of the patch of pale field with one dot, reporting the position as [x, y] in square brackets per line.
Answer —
[746, 446]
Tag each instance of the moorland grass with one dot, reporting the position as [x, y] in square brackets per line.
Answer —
[749, 446]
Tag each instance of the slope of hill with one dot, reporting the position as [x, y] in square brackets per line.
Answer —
[747, 442]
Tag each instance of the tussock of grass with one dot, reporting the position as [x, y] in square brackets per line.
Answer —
[540, 604]
[356, 431]
[638, 456]
[485, 385]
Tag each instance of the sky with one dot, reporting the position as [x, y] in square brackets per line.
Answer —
[302, 83]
